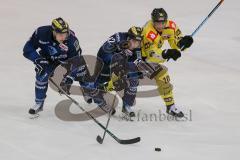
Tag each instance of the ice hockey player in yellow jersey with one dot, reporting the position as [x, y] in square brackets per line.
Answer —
[155, 32]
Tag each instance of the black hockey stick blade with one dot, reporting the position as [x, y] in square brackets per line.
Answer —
[121, 141]
[99, 139]
[129, 141]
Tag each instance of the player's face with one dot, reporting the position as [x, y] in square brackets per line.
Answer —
[60, 37]
[159, 25]
[134, 44]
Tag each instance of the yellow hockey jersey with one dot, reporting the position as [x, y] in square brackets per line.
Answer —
[153, 41]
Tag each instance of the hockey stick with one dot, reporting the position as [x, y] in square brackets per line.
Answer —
[204, 21]
[99, 139]
[121, 141]
[209, 15]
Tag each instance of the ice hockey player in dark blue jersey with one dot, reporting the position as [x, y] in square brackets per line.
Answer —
[48, 47]
[117, 71]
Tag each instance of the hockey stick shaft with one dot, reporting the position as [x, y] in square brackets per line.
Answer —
[99, 139]
[209, 15]
[135, 140]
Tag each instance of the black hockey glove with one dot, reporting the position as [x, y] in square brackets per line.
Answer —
[185, 42]
[66, 84]
[41, 65]
[171, 53]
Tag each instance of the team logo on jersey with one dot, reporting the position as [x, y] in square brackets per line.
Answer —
[63, 47]
[151, 35]
[52, 50]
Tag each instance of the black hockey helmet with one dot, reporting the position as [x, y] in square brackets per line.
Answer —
[135, 33]
[60, 26]
[159, 15]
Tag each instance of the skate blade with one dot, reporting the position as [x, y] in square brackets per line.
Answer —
[34, 116]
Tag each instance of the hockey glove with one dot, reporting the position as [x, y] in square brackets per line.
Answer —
[41, 65]
[66, 84]
[171, 53]
[185, 42]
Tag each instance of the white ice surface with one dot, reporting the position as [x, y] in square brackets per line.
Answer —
[206, 80]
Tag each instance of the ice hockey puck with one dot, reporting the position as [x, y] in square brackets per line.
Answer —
[158, 149]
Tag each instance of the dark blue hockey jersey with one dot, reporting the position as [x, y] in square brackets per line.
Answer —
[50, 49]
[111, 51]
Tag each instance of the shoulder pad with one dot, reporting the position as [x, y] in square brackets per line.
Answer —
[121, 36]
[72, 33]
[43, 32]
[44, 29]
[172, 25]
